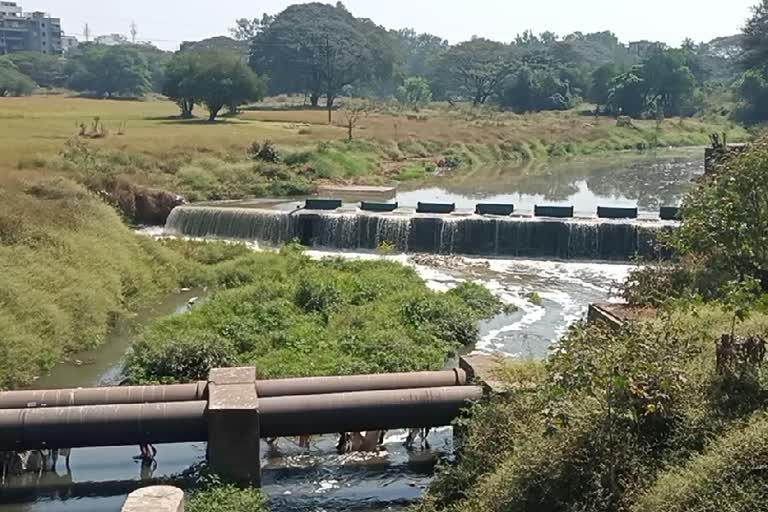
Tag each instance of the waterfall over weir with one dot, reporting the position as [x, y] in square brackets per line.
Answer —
[584, 239]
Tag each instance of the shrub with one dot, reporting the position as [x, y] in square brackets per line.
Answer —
[226, 498]
[265, 152]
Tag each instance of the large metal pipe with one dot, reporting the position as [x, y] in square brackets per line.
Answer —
[103, 425]
[198, 391]
[349, 384]
[362, 411]
[103, 396]
[133, 424]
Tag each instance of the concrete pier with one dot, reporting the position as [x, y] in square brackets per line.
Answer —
[233, 424]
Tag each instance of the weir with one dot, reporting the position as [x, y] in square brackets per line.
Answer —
[466, 234]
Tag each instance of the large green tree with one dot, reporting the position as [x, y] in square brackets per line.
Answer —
[320, 49]
[12, 81]
[45, 70]
[752, 89]
[414, 93]
[476, 69]
[108, 71]
[214, 78]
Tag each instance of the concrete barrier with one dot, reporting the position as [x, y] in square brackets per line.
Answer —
[560, 212]
[670, 213]
[495, 209]
[322, 204]
[605, 212]
[159, 498]
[442, 208]
[369, 206]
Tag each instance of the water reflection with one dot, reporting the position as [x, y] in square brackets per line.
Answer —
[648, 181]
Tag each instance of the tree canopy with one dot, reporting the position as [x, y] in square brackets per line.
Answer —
[214, 78]
[45, 70]
[318, 49]
[477, 68]
[108, 71]
[414, 93]
[12, 81]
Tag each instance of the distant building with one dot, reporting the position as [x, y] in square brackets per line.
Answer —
[69, 43]
[641, 48]
[111, 39]
[36, 31]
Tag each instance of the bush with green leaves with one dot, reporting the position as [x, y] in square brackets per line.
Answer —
[226, 498]
[592, 428]
[291, 316]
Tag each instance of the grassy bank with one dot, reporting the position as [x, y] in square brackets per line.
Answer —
[68, 267]
[142, 142]
[645, 419]
[290, 316]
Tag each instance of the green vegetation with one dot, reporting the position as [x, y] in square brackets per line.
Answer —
[291, 316]
[213, 78]
[68, 266]
[12, 81]
[667, 413]
[534, 298]
[225, 498]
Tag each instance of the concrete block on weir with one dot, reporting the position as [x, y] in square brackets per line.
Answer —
[560, 212]
[159, 498]
[439, 208]
[322, 204]
[503, 210]
[605, 212]
[233, 424]
[369, 206]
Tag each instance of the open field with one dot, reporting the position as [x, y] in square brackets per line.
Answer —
[40, 125]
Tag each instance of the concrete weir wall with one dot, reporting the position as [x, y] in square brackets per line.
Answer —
[457, 233]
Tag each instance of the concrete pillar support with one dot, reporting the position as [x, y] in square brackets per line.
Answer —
[233, 424]
[160, 498]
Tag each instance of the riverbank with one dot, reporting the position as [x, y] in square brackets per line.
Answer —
[141, 144]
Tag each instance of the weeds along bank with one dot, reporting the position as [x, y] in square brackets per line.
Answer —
[140, 144]
[665, 414]
[290, 316]
[68, 266]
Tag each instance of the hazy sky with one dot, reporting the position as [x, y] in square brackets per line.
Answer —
[168, 22]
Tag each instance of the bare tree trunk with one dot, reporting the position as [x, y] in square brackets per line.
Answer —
[314, 99]
[329, 103]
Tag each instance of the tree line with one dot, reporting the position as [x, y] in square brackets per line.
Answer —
[324, 52]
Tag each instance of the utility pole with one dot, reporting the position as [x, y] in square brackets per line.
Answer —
[87, 33]
[134, 31]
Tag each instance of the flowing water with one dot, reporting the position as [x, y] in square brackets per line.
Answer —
[390, 480]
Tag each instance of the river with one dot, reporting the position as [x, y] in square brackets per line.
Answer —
[322, 480]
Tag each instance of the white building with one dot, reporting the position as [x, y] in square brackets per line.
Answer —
[69, 43]
[111, 39]
[10, 9]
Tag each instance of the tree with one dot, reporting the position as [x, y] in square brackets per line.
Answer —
[180, 74]
[319, 49]
[627, 93]
[755, 39]
[726, 218]
[352, 113]
[477, 68]
[45, 70]
[533, 90]
[602, 77]
[414, 93]
[215, 78]
[752, 90]
[421, 55]
[12, 81]
[108, 71]
[246, 29]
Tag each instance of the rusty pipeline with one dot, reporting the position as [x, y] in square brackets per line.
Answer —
[363, 411]
[103, 425]
[199, 391]
[349, 384]
[104, 396]
[176, 422]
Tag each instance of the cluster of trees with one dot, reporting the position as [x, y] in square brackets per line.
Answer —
[323, 52]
